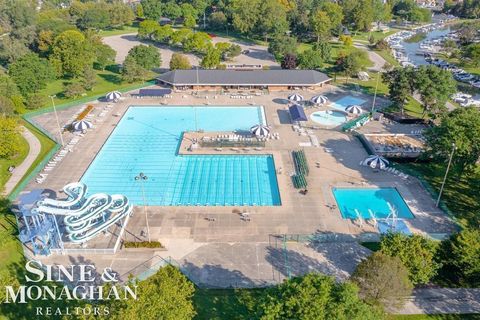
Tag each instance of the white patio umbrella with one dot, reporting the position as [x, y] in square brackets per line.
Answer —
[113, 96]
[319, 99]
[260, 130]
[82, 125]
[354, 109]
[376, 161]
[295, 97]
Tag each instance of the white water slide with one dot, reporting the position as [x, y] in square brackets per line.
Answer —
[84, 219]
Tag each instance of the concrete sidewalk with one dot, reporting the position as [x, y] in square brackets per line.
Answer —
[442, 300]
[19, 172]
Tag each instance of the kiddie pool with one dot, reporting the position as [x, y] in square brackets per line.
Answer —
[329, 117]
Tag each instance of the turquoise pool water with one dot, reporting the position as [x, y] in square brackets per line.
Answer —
[343, 103]
[147, 140]
[374, 199]
[329, 117]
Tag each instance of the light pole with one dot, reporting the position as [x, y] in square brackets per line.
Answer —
[142, 178]
[376, 88]
[446, 174]
[58, 122]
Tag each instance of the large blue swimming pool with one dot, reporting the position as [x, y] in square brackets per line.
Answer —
[147, 140]
[364, 200]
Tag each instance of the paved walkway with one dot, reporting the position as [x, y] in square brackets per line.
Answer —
[443, 300]
[378, 61]
[33, 152]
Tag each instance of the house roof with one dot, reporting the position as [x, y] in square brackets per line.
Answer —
[251, 77]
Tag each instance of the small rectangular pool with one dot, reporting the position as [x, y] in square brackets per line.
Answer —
[343, 103]
[370, 200]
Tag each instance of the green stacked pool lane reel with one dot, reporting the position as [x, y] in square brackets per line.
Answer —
[301, 169]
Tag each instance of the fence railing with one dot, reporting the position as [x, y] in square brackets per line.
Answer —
[28, 118]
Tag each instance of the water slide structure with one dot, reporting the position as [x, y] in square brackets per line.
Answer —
[84, 217]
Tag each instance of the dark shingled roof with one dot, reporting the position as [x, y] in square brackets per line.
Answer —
[255, 77]
[297, 113]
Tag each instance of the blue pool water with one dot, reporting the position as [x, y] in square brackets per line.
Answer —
[329, 117]
[343, 103]
[147, 140]
[375, 199]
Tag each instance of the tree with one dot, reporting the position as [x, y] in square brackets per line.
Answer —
[89, 78]
[462, 128]
[71, 52]
[74, 90]
[416, 252]
[472, 54]
[168, 295]
[132, 71]
[148, 57]
[31, 73]
[334, 13]
[272, 19]
[120, 14]
[163, 33]
[104, 56]
[35, 101]
[281, 45]
[435, 86]
[6, 106]
[179, 61]
[199, 42]
[382, 279]
[233, 51]
[321, 25]
[152, 9]
[188, 11]
[314, 296]
[325, 50]
[310, 59]
[450, 47]
[94, 18]
[189, 22]
[147, 28]
[400, 85]
[289, 61]
[172, 10]
[9, 137]
[461, 253]
[351, 63]
[347, 40]
[181, 36]
[245, 15]
[211, 59]
[217, 21]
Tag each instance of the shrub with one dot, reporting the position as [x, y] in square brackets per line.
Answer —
[142, 244]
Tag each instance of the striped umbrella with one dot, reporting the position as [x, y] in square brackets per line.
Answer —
[375, 161]
[295, 97]
[354, 109]
[260, 130]
[319, 99]
[113, 96]
[82, 125]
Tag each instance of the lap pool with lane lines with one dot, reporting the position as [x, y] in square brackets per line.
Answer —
[147, 140]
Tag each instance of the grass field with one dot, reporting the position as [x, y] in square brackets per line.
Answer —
[377, 35]
[461, 193]
[106, 82]
[14, 161]
[115, 32]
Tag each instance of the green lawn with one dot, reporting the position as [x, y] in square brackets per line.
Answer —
[115, 32]
[106, 81]
[461, 193]
[377, 35]
[14, 161]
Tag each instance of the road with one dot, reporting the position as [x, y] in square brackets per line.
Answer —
[21, 170]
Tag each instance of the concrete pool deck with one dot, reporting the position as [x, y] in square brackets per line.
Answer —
[185, 229]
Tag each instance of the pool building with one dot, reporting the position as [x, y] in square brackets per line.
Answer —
[272, 80]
